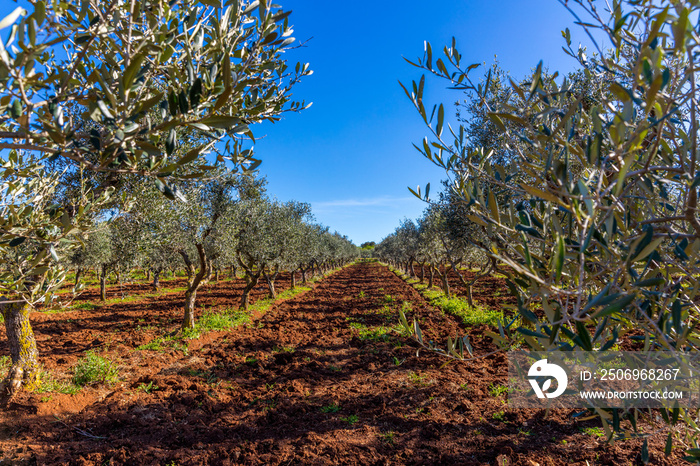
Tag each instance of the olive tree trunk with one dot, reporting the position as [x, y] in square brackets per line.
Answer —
[270, 279]
[103, 283]
[23, 351]
[445, 280]
[251, 280]
[156, 280]
[194, 281]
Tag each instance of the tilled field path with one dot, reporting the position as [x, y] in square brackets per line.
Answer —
[320, 379]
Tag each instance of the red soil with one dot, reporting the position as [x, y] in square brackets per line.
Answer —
[300, 385]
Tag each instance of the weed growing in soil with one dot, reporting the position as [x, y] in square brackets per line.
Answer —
[375, 334]
[93, 368]
[331, 408]
[148, 388]
[388, 299]
[419, 379]
[499, 416]
[498, 390]
[388, 437]
[593, 431]
[283, 349]
[164, 343]
[361, 295]
[352, 419]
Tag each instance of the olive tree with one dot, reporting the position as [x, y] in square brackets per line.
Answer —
[285, 230]
[308, 249]
[197, 231]
[204, 68]
[597, 222]
[268, 232]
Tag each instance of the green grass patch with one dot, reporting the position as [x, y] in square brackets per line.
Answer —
[84, 306]
[458, 307]
[94, 369]
[213, 321]
[263, 305]
[50, 384]
[470, 315]
[371, 333]
[375, 333]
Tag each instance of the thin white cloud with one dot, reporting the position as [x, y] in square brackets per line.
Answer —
[377, 201]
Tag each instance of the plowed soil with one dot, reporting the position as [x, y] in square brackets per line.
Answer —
[318, 379]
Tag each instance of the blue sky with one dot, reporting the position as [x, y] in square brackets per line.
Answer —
[350, 155]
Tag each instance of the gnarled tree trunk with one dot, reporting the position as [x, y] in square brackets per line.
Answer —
[251, 280]
[188, 319]
[103, 283]
[193, 283]
[23, 351]
[78, 275]
[270, 279]
[156, 280]
[445, 281]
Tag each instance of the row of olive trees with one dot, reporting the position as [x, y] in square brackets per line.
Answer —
[95, 95]
[440, 242]
[590, 199]
[227, 223]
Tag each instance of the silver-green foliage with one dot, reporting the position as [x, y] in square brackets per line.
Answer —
[118, 87]
[592, 202]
